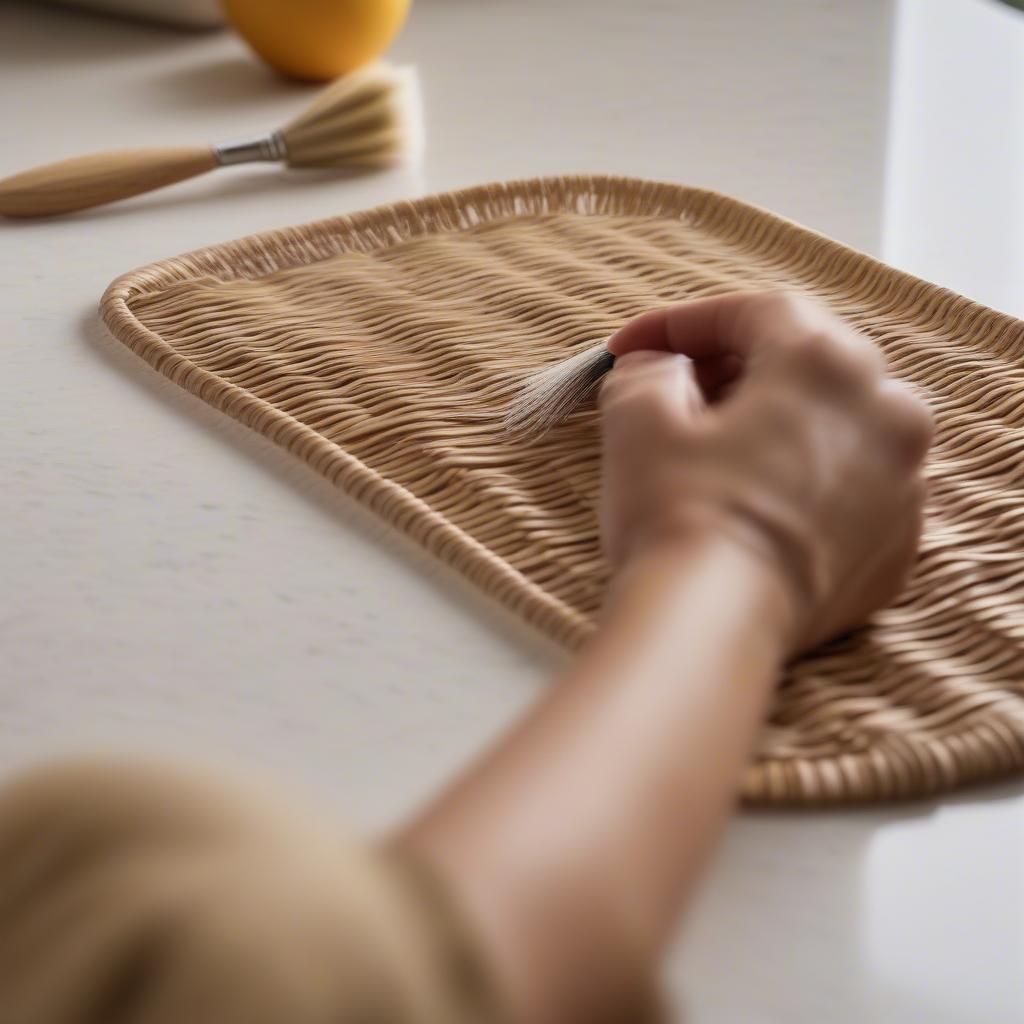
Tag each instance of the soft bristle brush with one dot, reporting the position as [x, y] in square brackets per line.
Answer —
[367, 120]
[554, 393]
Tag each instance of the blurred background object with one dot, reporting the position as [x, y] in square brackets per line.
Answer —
[195, 13]
[364, 121]
[317, 39]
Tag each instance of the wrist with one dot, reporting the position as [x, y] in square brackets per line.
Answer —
[742, 561]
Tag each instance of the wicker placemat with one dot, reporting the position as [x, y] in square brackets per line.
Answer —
[383, 347]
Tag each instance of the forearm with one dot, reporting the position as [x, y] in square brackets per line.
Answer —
[575, 843]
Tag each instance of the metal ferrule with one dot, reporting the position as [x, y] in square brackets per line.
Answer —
[246, 151]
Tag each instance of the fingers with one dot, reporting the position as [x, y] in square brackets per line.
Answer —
[746, 342]
[906, 422]
[714, 326]
[695, 329]
[768, 325]
[648, 395]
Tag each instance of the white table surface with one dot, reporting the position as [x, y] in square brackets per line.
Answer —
[171, 581]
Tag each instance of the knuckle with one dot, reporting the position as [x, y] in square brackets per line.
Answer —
[906, 421]
[820, 350]
[779, 309]
[827, 361]
[778, 303]
[919, 494]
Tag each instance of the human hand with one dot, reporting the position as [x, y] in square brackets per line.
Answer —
[763, 417]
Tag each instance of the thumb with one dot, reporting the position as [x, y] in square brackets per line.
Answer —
[648, 394]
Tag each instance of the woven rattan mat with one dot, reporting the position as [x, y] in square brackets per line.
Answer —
[382, 348]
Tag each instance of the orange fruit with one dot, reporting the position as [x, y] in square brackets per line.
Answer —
[317, 39]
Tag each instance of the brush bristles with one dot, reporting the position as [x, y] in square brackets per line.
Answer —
[551, 395]
[368, 119]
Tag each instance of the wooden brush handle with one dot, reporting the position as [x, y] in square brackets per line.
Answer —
[86, 181]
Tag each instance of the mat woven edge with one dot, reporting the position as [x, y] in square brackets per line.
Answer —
[889, 770]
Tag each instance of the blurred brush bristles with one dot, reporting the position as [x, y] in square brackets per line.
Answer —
[369, 118]
[551, 395]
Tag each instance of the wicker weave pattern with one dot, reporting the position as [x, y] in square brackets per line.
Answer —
[383, 347]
